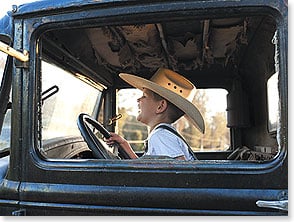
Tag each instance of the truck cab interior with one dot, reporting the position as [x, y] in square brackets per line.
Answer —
[235, 54]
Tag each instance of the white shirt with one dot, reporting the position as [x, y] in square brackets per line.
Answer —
[162, 142]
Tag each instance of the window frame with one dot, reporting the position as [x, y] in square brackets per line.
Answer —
[229, 166]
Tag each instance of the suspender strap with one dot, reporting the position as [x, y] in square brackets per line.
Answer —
[180, 136]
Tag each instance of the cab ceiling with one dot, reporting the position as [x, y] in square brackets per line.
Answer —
[204, 47]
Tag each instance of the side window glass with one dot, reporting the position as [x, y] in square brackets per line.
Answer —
[60, 111]
[273, 102]
[5, 131]
[3, 58]
[6, 126]
[212, 105]
[128, 126]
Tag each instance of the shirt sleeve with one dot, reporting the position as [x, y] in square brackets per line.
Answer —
[164, 143]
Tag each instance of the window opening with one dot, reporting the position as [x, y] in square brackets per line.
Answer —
[212, 105]
[273, 102]
[61, 110]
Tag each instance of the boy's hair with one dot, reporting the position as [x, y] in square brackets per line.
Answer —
[174, 113]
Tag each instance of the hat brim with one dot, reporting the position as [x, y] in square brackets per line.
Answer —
[190, 110]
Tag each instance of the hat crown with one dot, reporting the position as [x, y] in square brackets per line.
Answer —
[175, 83]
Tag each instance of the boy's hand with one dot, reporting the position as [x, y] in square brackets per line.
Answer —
[115, 138]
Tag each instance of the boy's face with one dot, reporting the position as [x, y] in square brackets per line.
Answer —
[147, 107]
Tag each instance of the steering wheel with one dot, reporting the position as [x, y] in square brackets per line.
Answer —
[99, 149]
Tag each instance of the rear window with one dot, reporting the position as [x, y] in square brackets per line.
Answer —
[212, 105]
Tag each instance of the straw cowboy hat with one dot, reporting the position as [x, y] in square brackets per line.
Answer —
[174, 88]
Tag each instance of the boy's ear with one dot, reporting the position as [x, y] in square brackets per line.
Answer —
[162, 106]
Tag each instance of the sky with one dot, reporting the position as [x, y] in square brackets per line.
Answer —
[6, 5]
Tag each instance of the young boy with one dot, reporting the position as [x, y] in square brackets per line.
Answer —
[166, 97]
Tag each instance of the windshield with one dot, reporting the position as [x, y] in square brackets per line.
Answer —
[60, 110]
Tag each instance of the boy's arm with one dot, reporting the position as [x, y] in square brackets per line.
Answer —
[128, 149]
